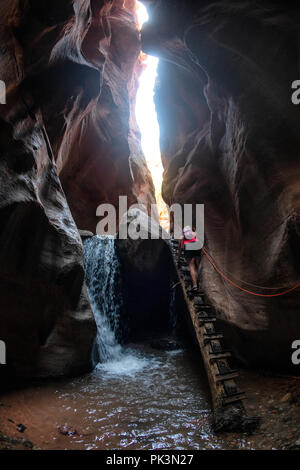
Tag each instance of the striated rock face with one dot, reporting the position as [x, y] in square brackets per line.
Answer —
[230, 139]
[101, 157]
[68, 142]
[45, 320]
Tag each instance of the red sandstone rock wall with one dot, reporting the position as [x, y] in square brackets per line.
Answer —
[67, 143]
[101, 157]
[230, 139]
[68, 140]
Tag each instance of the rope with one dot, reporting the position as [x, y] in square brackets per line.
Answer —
[241, 288]
[228, 273]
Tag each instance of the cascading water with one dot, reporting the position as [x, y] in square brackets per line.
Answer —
[103, 281]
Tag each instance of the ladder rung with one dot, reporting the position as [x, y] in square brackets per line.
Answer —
[210, 338]
[203, 307]
[222, 351]
[207, 319]
[213, 337]
[216, 356]
[228, 371]
[202, 314]
[235, 398]
[233, 394]
[228, 376]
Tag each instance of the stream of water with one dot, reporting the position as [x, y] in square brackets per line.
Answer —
[159, 402]
[103, 280]
[136, 398]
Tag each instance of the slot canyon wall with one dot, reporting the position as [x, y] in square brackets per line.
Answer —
[68, 142]
[230, 139]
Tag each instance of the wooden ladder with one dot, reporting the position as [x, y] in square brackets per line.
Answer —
[229, 409]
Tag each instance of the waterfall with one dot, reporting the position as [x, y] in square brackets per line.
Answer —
[103, 283]
[103, 279]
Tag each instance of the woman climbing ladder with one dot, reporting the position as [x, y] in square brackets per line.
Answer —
[192, 253]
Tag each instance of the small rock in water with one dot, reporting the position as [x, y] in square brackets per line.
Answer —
[21, 427]
[28, 444]
[65, 430]
[286, 397]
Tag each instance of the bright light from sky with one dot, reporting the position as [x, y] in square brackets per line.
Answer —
[147, 120]
[142, 14]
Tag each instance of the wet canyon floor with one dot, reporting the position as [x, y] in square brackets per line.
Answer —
[150, 400]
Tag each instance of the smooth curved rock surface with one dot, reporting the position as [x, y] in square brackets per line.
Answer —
[68, 142]
[230, 139]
